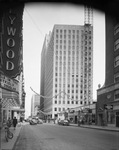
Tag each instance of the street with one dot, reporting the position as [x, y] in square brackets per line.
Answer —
[56, 137]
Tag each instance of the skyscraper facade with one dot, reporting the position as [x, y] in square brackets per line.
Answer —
[35, 101]
[108, 94]
[67, 68]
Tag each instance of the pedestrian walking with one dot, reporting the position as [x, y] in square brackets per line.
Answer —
[14, 122]
[9, 122]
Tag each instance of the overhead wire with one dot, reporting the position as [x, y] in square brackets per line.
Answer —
[51, 98]
[33, 21]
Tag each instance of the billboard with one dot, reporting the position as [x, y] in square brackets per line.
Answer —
[11, 42]
[9, 84]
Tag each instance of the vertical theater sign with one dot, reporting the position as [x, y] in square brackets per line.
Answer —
[11, 59]
[12, 42]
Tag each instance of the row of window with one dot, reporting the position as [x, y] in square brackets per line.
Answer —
[68, 102]
[67, 31]
[70, 31]
[69, 47]
[67, 85]
[69, 41]
[116, 60]
[65, 36]
[63, 109]
[64, 52]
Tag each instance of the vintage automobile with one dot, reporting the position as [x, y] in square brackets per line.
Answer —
[63, 122]
[39, 121]
[32, 121]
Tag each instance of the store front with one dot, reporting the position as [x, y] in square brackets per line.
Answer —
[113, 115]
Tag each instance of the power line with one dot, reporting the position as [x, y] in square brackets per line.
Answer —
[54, 96]
[33, 21]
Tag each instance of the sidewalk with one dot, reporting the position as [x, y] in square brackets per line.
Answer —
[106, 128]
[10, 144]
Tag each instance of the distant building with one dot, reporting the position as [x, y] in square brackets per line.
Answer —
[108, 95]
[67, 68]
[35, 102]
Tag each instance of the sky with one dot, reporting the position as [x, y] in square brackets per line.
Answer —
[38, 20]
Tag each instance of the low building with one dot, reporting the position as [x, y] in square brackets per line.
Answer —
[86, 114]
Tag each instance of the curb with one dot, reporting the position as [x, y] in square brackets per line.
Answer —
[103, 128]
[17, 138]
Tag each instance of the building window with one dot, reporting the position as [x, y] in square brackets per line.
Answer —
[60, 31]
[116, 95]
[116, 29]
[116, 61]
[116, 44]
[55, 102]
[116, 77]
[55, 109]
[63, 109]
[56, 46]
[64, 31]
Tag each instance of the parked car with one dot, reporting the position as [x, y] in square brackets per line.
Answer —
[63, 122]
[40, 121]
[33, 121]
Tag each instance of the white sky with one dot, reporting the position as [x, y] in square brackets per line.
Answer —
[38, 20]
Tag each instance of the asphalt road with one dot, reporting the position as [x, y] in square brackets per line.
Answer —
[56, 137]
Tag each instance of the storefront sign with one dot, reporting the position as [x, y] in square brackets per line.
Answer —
[12, 42]
[9, 84]
[108, 106]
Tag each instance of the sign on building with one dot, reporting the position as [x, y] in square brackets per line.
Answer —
[11, 42]
[9, 84]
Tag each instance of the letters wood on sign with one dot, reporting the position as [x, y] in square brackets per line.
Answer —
[11, 39]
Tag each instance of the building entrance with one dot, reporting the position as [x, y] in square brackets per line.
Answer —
[117, 119]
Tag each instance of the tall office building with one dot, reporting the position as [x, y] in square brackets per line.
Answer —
[35, 101]
[67, 68]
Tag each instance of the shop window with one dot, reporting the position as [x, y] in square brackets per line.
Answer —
[111, 117]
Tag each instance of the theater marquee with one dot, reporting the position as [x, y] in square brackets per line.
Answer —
[12, 42]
